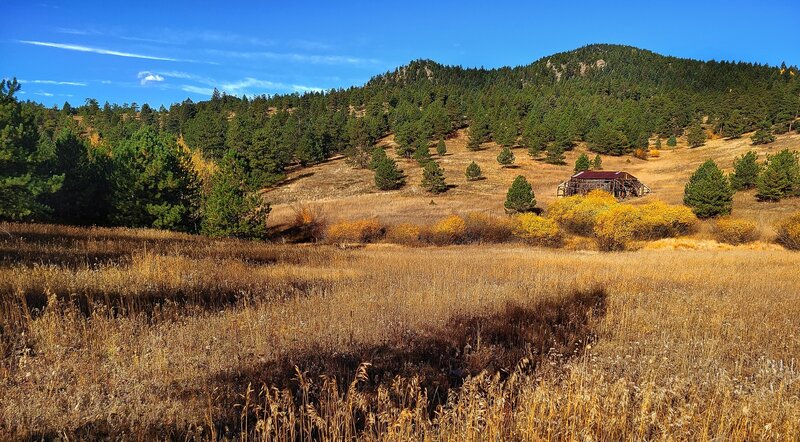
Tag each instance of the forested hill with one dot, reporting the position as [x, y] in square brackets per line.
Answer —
[615, 98]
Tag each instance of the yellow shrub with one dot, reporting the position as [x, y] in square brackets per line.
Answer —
[623, 223]
[362, 230]
[655, 153]
[661, 220]
[538, 230]
[483, 227]
[617, 226]
[736, 231]
[406, 233]
[449, 230]
[578, 213]
[789, 232]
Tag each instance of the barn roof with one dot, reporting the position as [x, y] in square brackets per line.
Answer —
[603, 175]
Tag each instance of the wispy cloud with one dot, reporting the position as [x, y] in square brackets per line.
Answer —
[295, 57]
[149, 77]
[197, 90]
[44, 94]
[60, 83]
[79, 48]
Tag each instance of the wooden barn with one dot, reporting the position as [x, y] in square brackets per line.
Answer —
[620, 184]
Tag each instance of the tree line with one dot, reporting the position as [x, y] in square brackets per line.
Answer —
[199, 166]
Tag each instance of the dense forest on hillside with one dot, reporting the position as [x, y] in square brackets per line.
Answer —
[195, 166]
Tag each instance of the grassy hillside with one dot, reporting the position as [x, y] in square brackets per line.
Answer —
[342, 192]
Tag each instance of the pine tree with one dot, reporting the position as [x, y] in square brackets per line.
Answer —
[745, 171]
[672, 141]
[22, 157]
[83, 198]
[422, 152]
[708, 192]
[763, 135]
[658, 142]
[153, 184]
[780, 177]
[441, 147]
[583, 163]
[555, 155]
[597, 164]
[506, 157]
[378, 155]
[387, 175]
[608, 140]
[734, 125]
[695, 136]
[473, 172]
[520, 197]
[230, 210]
[433, 178]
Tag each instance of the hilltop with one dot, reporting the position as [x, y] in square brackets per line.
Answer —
[611, 100]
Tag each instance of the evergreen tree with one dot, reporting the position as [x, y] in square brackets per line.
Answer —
[745, 171]
[506, 157]
[520, 197]
[658, 142]
[672, 141]
[433, 178]
[597, 164]
[230, 210]
[83, 198]
[153, 184]
[473, 172]
[536, 137]
[555, 155]
[22, 157]
[378, 155]
[734, 125]
[583, 163]
[422, 153]
[780, 177]
[695, 136]
[607, 140]
[387, 175]
[708, 192]
[441, 147]
[763, 135]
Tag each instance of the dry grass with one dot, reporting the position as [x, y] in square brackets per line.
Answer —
[652, 344]
[345, 193]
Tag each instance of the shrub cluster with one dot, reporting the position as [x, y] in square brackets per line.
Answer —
[449, 230]
[538, 230]
[616, 227]
[577, 214]
[736, 231]
[789, 232]
[483, 227]
[362, 230]
[406, 234]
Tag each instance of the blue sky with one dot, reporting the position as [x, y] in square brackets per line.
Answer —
[163, 52]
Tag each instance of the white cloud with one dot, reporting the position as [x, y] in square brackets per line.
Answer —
[79, 48]
[60, 83]
[297, 58]
[149, 77]
[301, 88]
[197, 89]
[44, 94]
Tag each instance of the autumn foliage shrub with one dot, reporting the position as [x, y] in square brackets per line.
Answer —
[538, 230]
[736, 231]
[483, 227]
[406, 233]
[578, 213]
[449, 230]
[623, 223]
[789, 232]
[362, 230]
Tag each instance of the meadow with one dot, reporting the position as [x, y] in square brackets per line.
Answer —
[143, 334]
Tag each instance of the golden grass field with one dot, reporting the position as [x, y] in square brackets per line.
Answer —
[146, 335]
